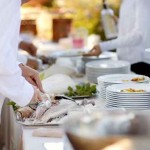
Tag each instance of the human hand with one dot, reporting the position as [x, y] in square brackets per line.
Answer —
[32, 76]
[95, 51]
[36, 97]
[32, 63]
[28, 47]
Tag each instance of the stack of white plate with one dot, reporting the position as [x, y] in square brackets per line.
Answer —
[95, 69]
[115, 97]
[107, 80]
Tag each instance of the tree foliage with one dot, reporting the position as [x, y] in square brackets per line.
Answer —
[87, 13]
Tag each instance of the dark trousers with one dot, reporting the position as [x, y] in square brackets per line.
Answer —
[141, 68]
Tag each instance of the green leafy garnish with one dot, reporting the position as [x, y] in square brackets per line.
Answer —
[81, 90]
[42, 76]
[13, 104]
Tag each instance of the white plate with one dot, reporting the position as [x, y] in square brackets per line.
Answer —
[121, 78]
[128, 100]
[105, 84]
[100, 71]
[108, 64]
[110, 106]
[93, 58]
[136, 104]
[126, 106]
[119, 87]
[135, 108]
[129, 96]
[111, 101]
[134, 97]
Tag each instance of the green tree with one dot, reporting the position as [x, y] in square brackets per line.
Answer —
[87, 13]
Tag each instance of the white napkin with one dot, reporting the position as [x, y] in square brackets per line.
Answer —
[57, 84]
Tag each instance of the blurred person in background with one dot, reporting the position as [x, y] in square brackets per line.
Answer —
[35, 3]
[133, 37]
[28, 59]
[28, 47]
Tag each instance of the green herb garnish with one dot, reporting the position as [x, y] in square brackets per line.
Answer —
[42, 76]
[81, 90]
[13, 104]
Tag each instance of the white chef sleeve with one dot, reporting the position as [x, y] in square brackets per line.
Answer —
[20, 40]
[22, 58]
[12, 84]
[134, 38]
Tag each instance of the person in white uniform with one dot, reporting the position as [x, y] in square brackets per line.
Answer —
[28, 47]
[17, 81]
[15, 78]
[28, 58]
[133, 37]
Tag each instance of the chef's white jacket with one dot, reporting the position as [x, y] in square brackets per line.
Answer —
[134, 32]
[22, 58]
[12, 84]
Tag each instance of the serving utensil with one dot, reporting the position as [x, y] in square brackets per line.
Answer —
[59, 97]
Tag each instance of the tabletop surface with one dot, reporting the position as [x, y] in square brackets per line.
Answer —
[36, 143]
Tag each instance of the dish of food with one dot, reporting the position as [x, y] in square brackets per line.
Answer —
[123, 78]
[131, 90]
[138, 79]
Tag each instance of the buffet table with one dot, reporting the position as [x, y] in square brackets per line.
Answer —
[22, 136]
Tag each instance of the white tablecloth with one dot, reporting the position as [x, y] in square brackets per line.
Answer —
[36, 143]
